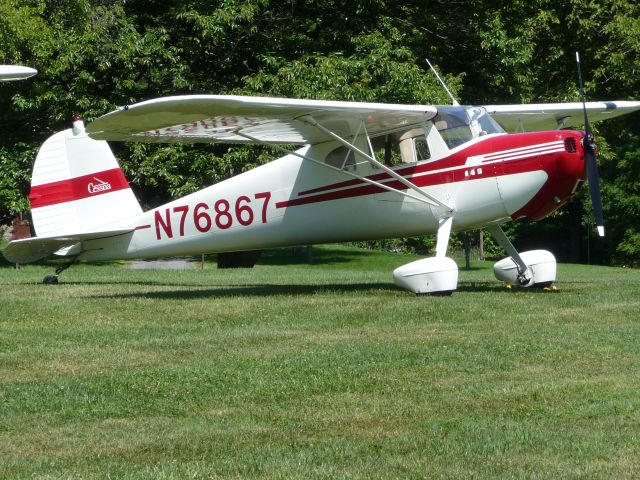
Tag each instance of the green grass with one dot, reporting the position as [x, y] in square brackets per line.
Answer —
[290, 370]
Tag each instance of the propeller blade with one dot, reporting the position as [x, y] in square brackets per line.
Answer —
[587, 126]
[594, 183]
[589, 146]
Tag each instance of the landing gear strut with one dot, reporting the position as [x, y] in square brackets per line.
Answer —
[53, 279]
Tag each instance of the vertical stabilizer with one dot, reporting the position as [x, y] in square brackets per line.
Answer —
[77, 186]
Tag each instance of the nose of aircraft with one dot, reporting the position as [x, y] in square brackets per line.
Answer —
[566, 170]
[571, 163]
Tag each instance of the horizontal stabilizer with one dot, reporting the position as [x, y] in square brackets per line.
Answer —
[37, 248]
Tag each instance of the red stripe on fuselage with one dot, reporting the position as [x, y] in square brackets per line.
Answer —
[451, 169]
[429, 180]
[77, 188]
[379, 177]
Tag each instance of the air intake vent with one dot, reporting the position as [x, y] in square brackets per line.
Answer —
[570, 144]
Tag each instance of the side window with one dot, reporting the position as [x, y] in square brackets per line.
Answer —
[341, 158]
[413, 145]
[421, 148]
[389, 153]
[403, 147]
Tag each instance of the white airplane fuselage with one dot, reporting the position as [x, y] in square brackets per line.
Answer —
[292, 201]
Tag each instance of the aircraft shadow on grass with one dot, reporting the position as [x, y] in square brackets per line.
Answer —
[266, 290]
[263, 290]
[282, 258]
[298, 256]
[275, 257]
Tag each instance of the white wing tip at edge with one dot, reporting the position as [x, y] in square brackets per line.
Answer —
[10, 73]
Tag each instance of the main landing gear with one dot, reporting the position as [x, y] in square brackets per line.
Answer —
[439, 275]
[431, 276]
[534, 268]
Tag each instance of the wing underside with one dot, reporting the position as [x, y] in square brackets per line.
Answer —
[551, 116]
[241, 119]
[236, 119]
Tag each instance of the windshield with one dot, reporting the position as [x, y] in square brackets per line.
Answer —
[458, 125]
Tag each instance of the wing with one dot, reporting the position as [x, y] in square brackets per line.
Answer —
[15, 72]
[551, 116]
[238, 119]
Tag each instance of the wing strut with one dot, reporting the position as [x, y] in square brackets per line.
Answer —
[433, 200]
[345, 172]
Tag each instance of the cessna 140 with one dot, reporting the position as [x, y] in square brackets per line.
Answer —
[361, 171]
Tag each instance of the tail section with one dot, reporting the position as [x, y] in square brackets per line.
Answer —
[78, 187]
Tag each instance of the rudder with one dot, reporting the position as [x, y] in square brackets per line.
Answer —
[77, 186]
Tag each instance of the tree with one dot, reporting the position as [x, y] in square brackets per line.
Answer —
[94, 55]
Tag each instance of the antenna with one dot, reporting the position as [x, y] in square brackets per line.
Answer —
[454, 102]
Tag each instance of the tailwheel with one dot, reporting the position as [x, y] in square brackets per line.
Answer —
[53, 279]
[50, 280]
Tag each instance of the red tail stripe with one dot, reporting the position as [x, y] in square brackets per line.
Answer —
[77, 188]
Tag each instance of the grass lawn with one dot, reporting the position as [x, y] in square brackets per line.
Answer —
[291, 370]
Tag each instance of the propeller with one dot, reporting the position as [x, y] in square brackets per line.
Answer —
[589, 147]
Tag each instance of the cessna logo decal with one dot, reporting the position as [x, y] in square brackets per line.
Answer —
[101, 186]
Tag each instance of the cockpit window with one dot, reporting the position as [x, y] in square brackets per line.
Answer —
[341, 158]
[458, 125]
[421, 148]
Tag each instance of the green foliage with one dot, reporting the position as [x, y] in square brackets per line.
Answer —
[16, 177]
[161, 173]
[622, 195]
[93, 55]
[378, 70]
[426, 245]
[417, 245]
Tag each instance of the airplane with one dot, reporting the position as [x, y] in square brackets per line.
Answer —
[350, 171]
[10, 73]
